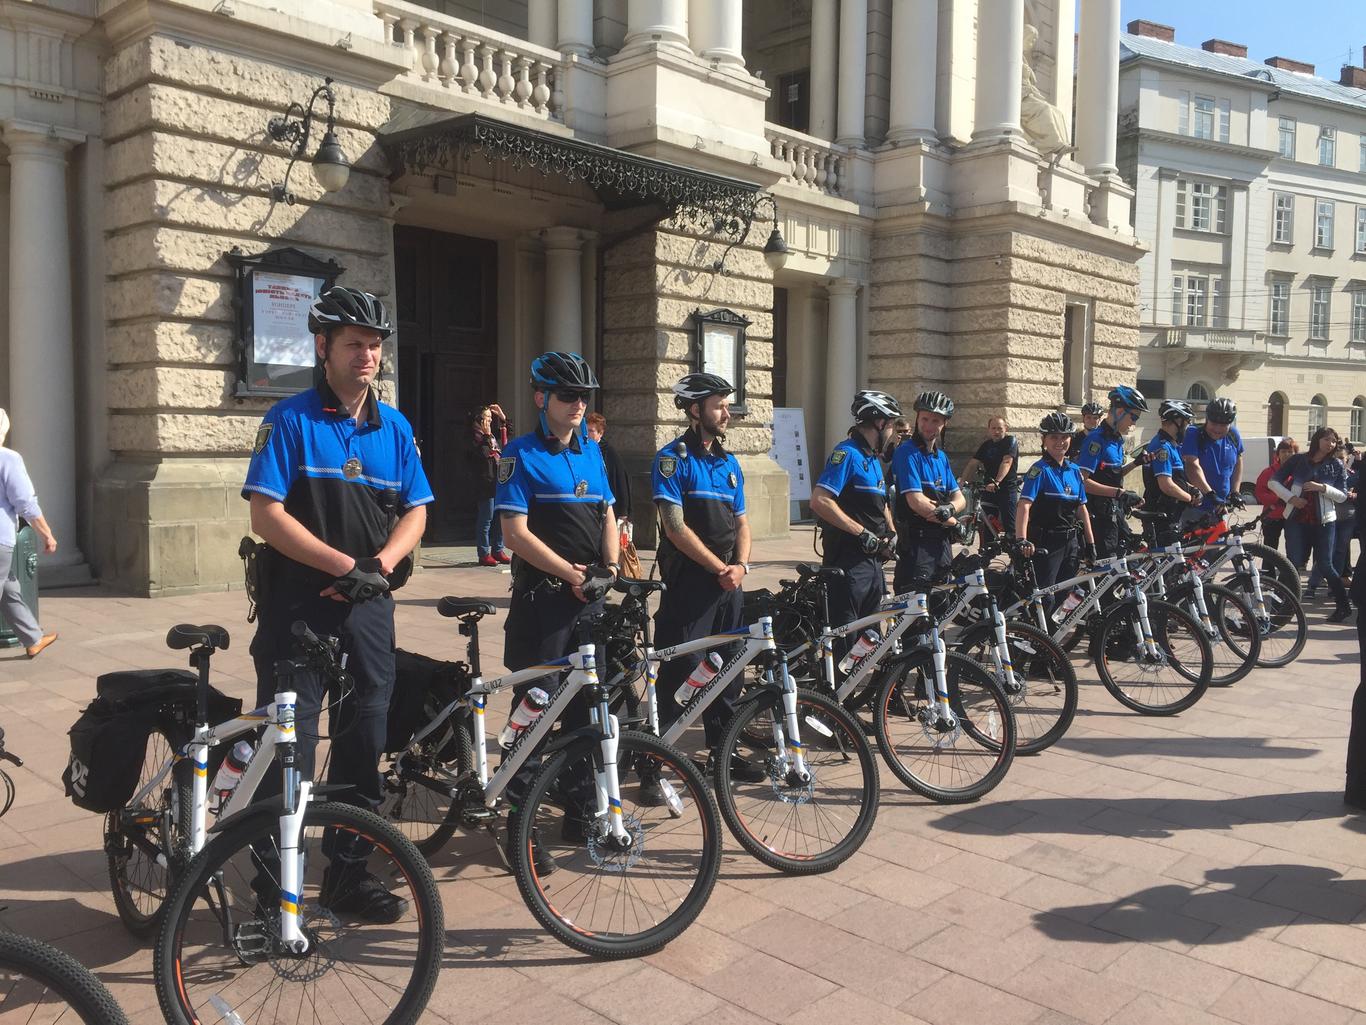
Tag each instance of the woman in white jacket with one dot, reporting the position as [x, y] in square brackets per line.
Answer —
[1313, 484]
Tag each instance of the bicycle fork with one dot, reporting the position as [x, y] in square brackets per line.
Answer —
[607, 780]
[787, 734]
[943, 712]
[1143, 631]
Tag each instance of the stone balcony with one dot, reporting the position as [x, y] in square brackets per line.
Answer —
[1210, 338]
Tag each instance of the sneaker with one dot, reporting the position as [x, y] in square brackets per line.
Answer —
[362, 894]
[542, 860]
[1341, 614]
[1310, 593]
[487, 560]
[503, 558]
[651, 793]
[742, 770]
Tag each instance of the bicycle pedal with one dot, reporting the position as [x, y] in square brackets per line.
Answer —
[478, 815]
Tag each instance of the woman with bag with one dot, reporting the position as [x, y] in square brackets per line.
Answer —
[1312, 485]
[486, 448]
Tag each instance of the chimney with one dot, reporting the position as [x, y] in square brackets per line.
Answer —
[1152, 30]
[1286, 64]
[1355, 77]
[1225, 47]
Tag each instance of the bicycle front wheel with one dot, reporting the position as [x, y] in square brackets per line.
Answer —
[948, 762]
[40, 985]
[367, 905]
[1044, 694]
[602, 896]
[1284, 629]
[1237, 643]
[1274, 564]
[794, 824]
[1166, 683]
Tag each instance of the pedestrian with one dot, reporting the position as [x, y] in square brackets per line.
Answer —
[999, 457]
[1053, 509]
[1273, 507]
[1354, 793]
[1346, 527]
[617, 477]
[17, 499]
[1166, 488]
[338, 493]
[928, 498]
[1213, 453]
[1091, 414]
[486, 448]
[1313, 484]
[1102, 464]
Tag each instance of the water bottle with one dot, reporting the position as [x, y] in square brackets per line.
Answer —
[867, 641]
[1069, 603]
[230, 772]
[528, 710]
[701, 676]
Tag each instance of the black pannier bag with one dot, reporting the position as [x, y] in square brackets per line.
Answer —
[417, 676]
[109, 740]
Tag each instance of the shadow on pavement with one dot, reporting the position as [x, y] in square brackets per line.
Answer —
[1183, 747]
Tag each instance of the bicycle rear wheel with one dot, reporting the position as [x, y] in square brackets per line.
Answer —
[797, 826]
[40, 985]
[1274, 564]
[948, 764]
[593, 894]
[1238, 643]
[1165, 684]
[219, 955]
[416, 781]
[1284, 629]
[1044, 695]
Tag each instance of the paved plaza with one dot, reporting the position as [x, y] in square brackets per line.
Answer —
[1191, 869]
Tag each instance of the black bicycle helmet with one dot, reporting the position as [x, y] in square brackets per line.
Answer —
[562, 370]
[696, 387]
[1129, 398]
[934, 402]
[874, 405]
[339, 306]
[1176, 409]
[1092, 408]
[1057, 423]
[1221, 411]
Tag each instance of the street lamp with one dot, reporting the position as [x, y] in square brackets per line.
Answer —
[775, 249]
[330, 166]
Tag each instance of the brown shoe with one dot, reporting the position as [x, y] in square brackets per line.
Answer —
[36, 650]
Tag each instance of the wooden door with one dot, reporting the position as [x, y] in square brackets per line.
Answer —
[448, 361]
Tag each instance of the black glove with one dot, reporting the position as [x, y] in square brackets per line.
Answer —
[943, 513]
[1088, 552]
[869, 542]
[886, 548]
[597, 581]
[1129, 499]
[363, 582]
[1236, 501]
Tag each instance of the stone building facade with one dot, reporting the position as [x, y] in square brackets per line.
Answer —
[583, 174]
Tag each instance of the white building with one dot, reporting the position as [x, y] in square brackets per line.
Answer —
[1250, 193]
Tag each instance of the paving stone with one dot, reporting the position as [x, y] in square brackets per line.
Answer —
[1254, 1002]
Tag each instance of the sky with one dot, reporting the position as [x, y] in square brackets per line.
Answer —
[1320, 32]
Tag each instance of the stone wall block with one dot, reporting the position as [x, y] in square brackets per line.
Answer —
[907, 320]
[1123, 315]
[703, 288]
[929, 245]
[151, 247]
[172, 433]
[170, 341]
[890, 291]
[164, 387]
[168, 295]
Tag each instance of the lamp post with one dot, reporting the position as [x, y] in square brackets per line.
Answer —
[330, 166]
[775, 249]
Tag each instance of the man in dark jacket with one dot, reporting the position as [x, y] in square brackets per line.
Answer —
[616, 469]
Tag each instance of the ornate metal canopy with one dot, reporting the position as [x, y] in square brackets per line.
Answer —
[696, 200]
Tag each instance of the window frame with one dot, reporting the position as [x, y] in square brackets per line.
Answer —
[1287, 126]
[1197, 300]
[1360, 248]
[1283, 203]
[1320, 311]
[1328, 137]
[1319, 403]
[1279, 296]
[1322, 239]
[1356, 430]
[1358, 332]
[1204, 108]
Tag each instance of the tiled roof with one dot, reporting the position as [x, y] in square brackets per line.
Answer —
[1310, 86]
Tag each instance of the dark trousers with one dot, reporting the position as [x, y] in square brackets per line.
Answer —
[1060, 563]
[921, 558]
[693, 606]
[1271, 532]
[1002, 502]
[1105, 526]
[1319, 538]
[1356, 739]
[855, 595]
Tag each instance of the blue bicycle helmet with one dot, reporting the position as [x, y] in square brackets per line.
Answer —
[552, 370]
[1129, 398]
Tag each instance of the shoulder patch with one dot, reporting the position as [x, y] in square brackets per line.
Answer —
[1161, 455]
[667, 466]
[837, 456]
[262, 437]
[1093, 448]
[507, 466]
[1034, 471]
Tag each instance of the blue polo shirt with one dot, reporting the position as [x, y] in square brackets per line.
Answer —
[928, 473]
[1166, 457]
[1102, 456]
[1056, 491]
[1217, 457]
[710, 488]
[562, 490]
[853, 474]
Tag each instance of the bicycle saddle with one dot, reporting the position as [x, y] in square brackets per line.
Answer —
[452, 607]
[806, 571]
[1148, 515]
[634, 588]
[185, 635]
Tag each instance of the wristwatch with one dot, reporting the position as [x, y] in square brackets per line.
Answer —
[742, 565]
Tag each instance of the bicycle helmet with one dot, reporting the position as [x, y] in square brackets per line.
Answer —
[934, 402]
[874, 405]
[339, 306]
[1092, 408]
[1129, 398]
[1176, 409]
[696, 387]
[1221, 411]
[1057, 423]
[562, 370]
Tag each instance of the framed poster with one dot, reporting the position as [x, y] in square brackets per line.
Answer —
[721, 350]
[275, 351]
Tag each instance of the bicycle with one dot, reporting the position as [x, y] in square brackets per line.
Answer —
[267, 920]
[40, 984]
[605, 872]
[7, 790]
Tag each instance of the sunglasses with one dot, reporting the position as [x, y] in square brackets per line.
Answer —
[571, 395]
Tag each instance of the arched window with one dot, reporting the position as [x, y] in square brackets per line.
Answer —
[1318, 413]
[1198, 393]
[1275, 415]
[1357, 434]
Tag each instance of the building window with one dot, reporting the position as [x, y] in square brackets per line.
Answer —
[1283, 218]
[1356, 434]
[1225, 116]
[1197, 392]
[1361, 229]
[1320, 303]
[1280, 309]
[1362, 165]
[1202, 125]
[1359, 315]
[1275, 414]
[1195, 301]
[1287, 138]
[1218, 305]
[1323, 224]
[1318, 413]
[1178, 299]
[793, 99]
[1328, 146]
[1202, 206]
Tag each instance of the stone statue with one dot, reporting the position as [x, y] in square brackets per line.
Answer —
[1042, 121]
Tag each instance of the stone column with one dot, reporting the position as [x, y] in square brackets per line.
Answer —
[576, 27]
[714, 27]
[854, 72]
[841, 357]
[563, 289]
[1098, 86]
[915, 49]
[540, 23]
[42, 356]
[656, 21]
[824, 57]
[1000, 67]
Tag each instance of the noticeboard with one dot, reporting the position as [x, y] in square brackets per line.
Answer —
[789, 451]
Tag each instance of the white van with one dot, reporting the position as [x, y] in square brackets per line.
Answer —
[1257, 454]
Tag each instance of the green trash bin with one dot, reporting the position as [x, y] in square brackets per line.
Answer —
[25, 567]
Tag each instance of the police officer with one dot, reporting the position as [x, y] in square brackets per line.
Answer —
[703, 556]
[1214, 459]
[1091, 412]
[850, 498]
[1102, 464]
[1166, 488]
[338, 493]
[1053, 506]
[928, 497]
[999, 457]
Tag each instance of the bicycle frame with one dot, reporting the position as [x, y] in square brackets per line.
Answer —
[1101, 581]
[1232, 544]
[1164, 558]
